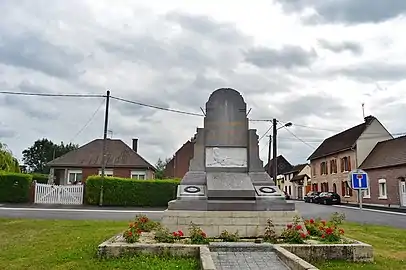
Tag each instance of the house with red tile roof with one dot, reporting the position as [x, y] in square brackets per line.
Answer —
[337, 155]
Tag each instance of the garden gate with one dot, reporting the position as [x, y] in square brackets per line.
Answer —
[55, 194]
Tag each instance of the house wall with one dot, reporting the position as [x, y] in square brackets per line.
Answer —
[179, 165]
[334, 178]
[391, 175]
[373, 134]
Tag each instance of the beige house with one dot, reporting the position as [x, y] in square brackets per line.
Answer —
[339, 154]
[297, 181]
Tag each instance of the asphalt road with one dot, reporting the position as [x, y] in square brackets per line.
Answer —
[95, 213]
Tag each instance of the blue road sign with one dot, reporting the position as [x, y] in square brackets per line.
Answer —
[359, 179]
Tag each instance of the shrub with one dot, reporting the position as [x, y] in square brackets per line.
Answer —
[294, 233]
[132, 234]
[162, 235]
[229, 237]
[326, 231]
[143, 223]
[129, 192]
[40, 178]
[15, 187]
[270, 234]
[197, 235]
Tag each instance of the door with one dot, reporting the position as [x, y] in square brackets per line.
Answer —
[403, 193]
[300, 193]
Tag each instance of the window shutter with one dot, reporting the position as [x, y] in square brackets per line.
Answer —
[350, 191]
[349, 163]
[342, 188]
[342, 164]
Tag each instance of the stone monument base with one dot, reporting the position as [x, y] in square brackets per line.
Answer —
[248, 223]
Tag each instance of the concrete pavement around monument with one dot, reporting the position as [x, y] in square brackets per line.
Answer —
[109, 213]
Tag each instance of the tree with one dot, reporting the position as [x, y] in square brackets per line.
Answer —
[8, 162]
[42, 152]
[160, 167]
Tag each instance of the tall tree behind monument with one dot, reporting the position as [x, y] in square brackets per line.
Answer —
[43, 151]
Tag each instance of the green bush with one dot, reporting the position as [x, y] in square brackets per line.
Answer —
[15, 187]
[129, 192]
[40, 178]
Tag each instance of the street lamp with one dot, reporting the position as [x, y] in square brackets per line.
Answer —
[275, 164]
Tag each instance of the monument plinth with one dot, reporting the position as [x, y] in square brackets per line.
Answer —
[226, 174]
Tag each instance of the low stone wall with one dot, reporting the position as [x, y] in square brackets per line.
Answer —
[114, 249]
[354, 252]
[292, 261]
[247, 223]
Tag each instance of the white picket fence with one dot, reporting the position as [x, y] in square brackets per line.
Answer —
[54, 194]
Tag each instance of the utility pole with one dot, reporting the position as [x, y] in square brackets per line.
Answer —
[269, 156]
[103, 158]
[275, 164]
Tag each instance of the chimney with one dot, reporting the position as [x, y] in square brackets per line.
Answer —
[369, 119]
[135, 145]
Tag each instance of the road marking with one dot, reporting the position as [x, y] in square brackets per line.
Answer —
[81, 210]
[371, 210]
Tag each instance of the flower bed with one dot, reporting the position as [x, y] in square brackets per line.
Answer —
[317, 240]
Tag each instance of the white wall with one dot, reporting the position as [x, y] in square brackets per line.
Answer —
[373, 134]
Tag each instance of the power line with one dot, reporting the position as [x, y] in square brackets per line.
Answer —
[156, 107]
[88, 122]
[294, 135]
[51, 95]
[266, 132]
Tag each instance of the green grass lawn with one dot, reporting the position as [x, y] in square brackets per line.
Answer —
[389, 248]
[45, 244]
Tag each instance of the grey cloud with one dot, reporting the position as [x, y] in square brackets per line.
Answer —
[348, 11]
[288, 57]
[32, 108]
[372, 72]
[208, 28]
[34, 53]
[6, 131]
[339, 47]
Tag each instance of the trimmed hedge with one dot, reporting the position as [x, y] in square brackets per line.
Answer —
[40, 178]
[129, 192]
[15, 187]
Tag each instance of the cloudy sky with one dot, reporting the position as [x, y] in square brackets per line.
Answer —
[310, 62]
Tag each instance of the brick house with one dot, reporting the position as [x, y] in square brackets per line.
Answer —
[178, 166]
[386, 168]
[339, 154]
[121, 161]
[297, 181]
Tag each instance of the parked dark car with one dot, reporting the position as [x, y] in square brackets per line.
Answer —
[328, 198]
[309, 197]
[287, 197]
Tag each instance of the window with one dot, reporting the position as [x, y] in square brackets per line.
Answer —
[323, 168]
[382, 189]
[140, 175]
[286, 189]
[108, 172]
[345, 164]
[74, 176]
[345, 189]
[333, 166]
[290, 190]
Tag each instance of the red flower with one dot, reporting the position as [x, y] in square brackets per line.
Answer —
[306, 221]
[298, 227]
[311, 221]
[175, 234]
[329, 230]
[139, 231]
[203, 234]
[302, 235]
[130, 233]
[321, 228]
[341, 231]
[323, 236]
[180, 233]
[289, 226]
